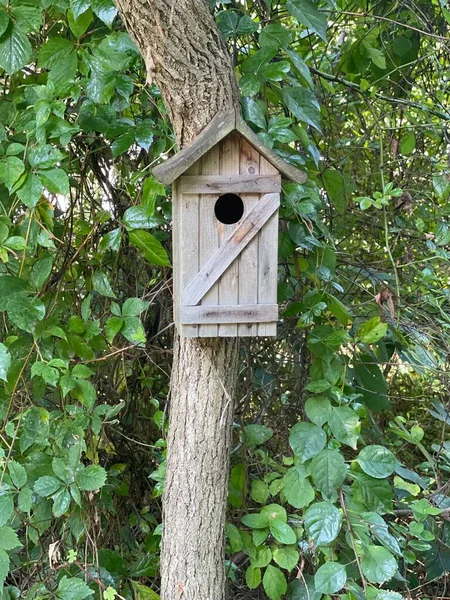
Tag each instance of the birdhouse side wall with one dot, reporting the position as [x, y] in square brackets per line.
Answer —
[247, 289]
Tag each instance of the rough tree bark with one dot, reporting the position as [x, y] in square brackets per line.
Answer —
[187, 58]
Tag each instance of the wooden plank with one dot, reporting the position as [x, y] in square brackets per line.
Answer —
[220, 126]
[248, 260]
[228, 284]
[233, 184]
[189, 247]
[229, 251]
[209, 233]
[268, 261]
[229, 314]
[176, 241]
[286, 169]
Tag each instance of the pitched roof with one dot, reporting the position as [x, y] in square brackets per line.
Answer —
[220, 126]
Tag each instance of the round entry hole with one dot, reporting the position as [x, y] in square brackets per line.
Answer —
[229, 209]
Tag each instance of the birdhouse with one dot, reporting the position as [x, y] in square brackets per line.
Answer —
[226, 193]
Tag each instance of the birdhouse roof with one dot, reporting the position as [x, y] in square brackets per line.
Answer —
[220, 126]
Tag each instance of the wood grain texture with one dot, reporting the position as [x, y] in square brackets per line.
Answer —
[209, 234]
[176, 245]
[234, 184]
[248, 260]
[228, 284]
[228, 252]
[189, 248]
[268, 261]
[253, 314]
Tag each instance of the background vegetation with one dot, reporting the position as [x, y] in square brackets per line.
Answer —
[339, 485]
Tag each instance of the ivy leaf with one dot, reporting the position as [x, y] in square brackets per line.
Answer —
[330, 578]
[5, 362]
[378, 564]
[323, 522]
[274, 583]
[105, 11]
[100, 283]
[307, 440]
[8, 539]
[307, 13]
[328, 471]
[15, 49]
[303, 104]
[26, 312]
[91, 478]
[72, 589]
[150, 247]
[377, 461]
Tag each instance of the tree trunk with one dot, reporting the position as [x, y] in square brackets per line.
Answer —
[187, 58]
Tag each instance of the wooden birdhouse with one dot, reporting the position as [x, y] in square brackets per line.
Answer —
[226, 193]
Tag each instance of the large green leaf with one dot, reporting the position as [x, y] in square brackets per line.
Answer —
[297, 488]
[91, 478]
[150, 247]
[308, 14]
[5, 362]
[306, 440]
[378, 564]
[274, 583]
[286, 557]
[72, 589]
[328, 471]
[303, 104]
[323, 522]
[330, 578]
[8, 539]
[344, 424]
[377, 461]
[371, 384]
[15, 49]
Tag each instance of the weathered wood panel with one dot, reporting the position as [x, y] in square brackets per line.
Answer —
[234, 184]
[229, 251]
[253, 313]
[228, 284]
[189, 247]
[268, 260]
[209, 233]
[248, 261]
[176, 244]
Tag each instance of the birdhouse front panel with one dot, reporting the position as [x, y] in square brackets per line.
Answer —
[225, 225]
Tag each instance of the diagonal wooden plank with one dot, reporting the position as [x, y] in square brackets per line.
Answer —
[230, 249]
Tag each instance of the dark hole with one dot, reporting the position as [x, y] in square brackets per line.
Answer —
[229, 209]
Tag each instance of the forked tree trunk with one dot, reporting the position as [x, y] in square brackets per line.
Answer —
[188, 60]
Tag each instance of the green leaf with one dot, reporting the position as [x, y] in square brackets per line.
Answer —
[262, 558]
[377, 461]
[111, 240]
[378, 564]
[375, 494]
[11, 169]
[72, 589]
[61, 502]
[408, 143]
[236, 485]
[122, 143]
[306, 440]
[286, 557]
[15, 49]
[143, 592]
[26, 312]
[253, 112]
[6, 507]
[275, 35]
[84, 392]
[150, 247]
[5, 362]
[49, 374]
[100, 283]
[47, 486]
[25, 500]
[328, 471]
[79, 26]
[78, 7]
[274, 583]
[323, 523]
[234, 538]
[256, 521]
[330, 578]
[307, 13]
[144, 134]
[112, 328]
[91, 478]
[371, 384]
[8, 539]
[372, 331]
[297, 489]
[275, 512]
[345, 426]
[55, 180]
[41, 271]
[256, 435]
[260, 491]
[134, 306]
[18, 474]
[380, 530]
[4, 21]
[30, 191]
[282, 532]
[376, 56]
[105, 11]
[318, 410]
[4, 567]
[303, 104]
[137, 217]
[252, 577]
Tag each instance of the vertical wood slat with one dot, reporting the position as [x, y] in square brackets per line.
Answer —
[268, 259]
[189, 235]
[209, 235]
[228, 283]
[248, 261]
[176, 240]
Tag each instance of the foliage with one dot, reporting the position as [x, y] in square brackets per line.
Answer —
[339, 478]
